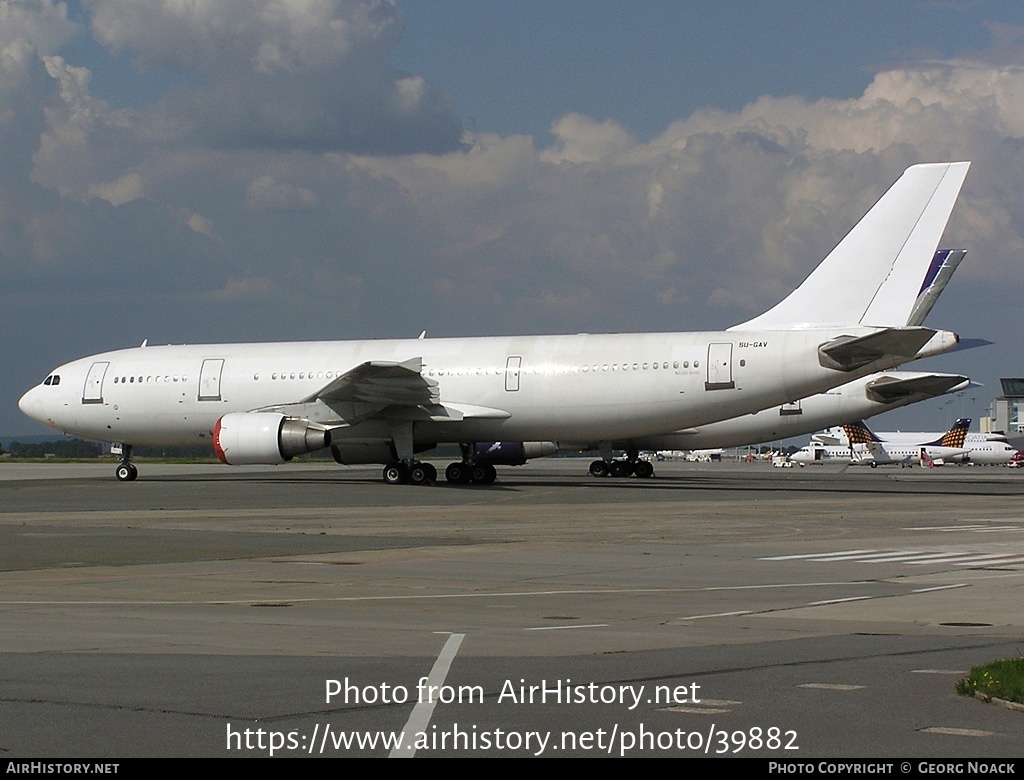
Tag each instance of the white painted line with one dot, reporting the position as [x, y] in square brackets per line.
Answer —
[420, 717]
[831, 686]
[784, 585]
[716, 614]
[566, 628]
[994, 558]
[873, 556]
[956, 672]
[837, 601]
[957, 732]
[897, 556]
[940, 587]
[814, 555]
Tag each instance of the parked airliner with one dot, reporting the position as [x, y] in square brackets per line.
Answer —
[504, 399]
[989, 449]
[866, 449]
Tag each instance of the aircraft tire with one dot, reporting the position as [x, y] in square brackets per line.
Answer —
[457, 473]
[599, 468]
[126, 472]
[396, 474]
[418, 474]
[643, 469]
[431, 471]
[483, 474]
[620, 468]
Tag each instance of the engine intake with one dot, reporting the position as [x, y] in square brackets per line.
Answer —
[245, 438]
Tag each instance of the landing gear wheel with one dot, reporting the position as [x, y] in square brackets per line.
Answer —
[643, 469]
[599, 468]
[620, 468]
[396, 474]
[483, 474]
[126, 472]
[417, 474]
[457, 473]
[431, 471]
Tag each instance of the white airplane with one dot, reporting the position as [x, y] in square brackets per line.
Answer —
[851, 402]
[848, 403]
[990, 449]
[865, 448]
[505, 399]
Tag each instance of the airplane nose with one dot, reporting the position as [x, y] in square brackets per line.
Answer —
[29, 404]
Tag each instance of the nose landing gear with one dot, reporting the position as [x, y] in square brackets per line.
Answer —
[126, 471]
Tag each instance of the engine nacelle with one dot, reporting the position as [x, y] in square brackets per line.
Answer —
[243, 438]
[511, 453]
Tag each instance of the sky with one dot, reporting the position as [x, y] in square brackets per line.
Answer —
[265, 170]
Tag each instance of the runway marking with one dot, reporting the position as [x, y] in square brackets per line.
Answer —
[974, 526]
[811, 555]
[424, 597]
[838, 601]
[940, 587]
[832, 686]
[957, 732]
[906, 557]
[421, 713]
[716, 614]
[565, 628]
[956, 672]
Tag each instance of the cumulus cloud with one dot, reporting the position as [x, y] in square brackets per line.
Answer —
[307, 74]
[735, 208]
[311, 163]
[266, 193]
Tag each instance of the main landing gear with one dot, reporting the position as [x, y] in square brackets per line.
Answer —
[415, 473]
[462, 473]
[622, 468]
[126, 471]
[457, 473]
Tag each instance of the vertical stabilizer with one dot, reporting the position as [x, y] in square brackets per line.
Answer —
[875, 275]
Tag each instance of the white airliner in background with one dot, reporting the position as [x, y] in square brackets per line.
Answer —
[865, 448]
[990, 449]
[386, 401]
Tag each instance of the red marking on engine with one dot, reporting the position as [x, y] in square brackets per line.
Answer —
[216, 443]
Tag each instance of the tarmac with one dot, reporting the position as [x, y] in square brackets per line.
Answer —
[720, 609]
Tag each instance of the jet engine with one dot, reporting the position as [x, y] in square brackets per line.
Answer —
[243, 438]
[511, 453]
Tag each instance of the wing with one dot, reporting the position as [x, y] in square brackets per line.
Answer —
[384, 390]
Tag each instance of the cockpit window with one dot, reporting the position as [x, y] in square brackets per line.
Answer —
[53, 379]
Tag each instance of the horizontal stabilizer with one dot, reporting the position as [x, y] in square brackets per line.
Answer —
[848, 353]
[887, 389]
[963, 344]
